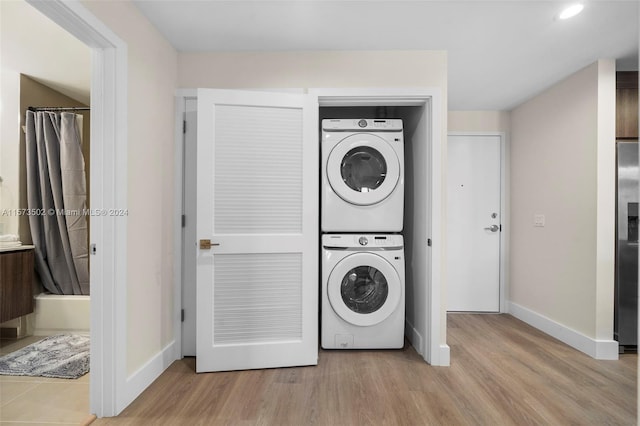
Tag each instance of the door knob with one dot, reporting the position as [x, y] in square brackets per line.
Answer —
[492, 228]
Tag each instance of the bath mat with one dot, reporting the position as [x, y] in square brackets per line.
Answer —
[63, 356]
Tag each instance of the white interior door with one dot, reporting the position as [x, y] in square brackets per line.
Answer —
[257, 286]
[473, 223]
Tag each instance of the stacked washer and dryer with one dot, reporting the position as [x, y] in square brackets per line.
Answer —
[363, 289]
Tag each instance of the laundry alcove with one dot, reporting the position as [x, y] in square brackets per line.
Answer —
[422, 113]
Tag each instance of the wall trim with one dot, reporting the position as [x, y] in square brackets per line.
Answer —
[444, 355]
[414, 336]
[137, 382]
[598, 349]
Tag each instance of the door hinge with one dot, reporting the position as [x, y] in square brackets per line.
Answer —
[184, 126]
[182, 315]
[184, 220]
[429, 242]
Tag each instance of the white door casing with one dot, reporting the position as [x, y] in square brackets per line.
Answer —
[188, 236]
[257, 201]
[473, 222]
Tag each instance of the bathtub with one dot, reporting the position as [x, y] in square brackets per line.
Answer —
[55, 314]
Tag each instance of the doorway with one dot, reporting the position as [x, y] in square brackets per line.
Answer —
[109, 390]
[40, 84]
[475, 227]
[421, 108]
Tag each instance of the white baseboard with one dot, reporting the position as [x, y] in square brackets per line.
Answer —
[444, 357]
[414, 337]
[598, 349]
[141, 379]
[417, 341]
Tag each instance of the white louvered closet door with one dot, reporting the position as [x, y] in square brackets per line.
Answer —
[257, 286]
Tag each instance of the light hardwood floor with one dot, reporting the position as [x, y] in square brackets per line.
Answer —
[502, 372]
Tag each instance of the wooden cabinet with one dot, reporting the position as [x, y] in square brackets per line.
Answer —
[627, 105]
[16, 284]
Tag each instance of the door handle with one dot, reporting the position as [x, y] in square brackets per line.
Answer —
[207, 244]
[492, 228]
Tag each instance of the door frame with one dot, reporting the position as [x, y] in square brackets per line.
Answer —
[182, 95]
[504, 211]
[428, 332]
[428, 335]
[110, 392]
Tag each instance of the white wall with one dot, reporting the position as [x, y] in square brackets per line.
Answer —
[562, 166]
[323, 69]
[152, 74]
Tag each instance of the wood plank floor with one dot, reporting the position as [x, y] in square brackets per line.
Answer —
[503, 372]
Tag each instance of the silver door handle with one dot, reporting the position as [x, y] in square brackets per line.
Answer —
[492, 228]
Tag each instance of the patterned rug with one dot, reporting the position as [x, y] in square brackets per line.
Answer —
[63, 356]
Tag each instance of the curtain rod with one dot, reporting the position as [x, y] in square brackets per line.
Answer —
[34, 109]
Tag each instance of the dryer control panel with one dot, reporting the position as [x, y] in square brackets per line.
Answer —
[370, 241]
[373, 124]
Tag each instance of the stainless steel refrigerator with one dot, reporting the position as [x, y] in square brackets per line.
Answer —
[626, 288]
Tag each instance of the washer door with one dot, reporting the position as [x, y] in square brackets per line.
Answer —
[363, 169]
[364, 289]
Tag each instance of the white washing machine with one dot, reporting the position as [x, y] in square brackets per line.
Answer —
[362, 175]
[362, 291]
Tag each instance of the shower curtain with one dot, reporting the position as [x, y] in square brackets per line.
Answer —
[56, 199]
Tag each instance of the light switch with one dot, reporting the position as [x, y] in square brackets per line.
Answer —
[538, 220]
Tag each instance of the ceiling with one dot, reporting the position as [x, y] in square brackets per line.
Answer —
[500, 53]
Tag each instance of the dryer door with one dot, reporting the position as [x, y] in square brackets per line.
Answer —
[364, 289]
[363, 169]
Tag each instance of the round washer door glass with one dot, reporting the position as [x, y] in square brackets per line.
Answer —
[363, 169]
[364, 289]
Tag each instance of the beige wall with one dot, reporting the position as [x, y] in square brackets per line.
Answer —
[323, 69]
[479, 121]
[562, 143]
[152, 64]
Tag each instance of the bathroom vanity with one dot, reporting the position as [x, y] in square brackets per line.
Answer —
[16, 282]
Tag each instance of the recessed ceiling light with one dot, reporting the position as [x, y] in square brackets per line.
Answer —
[571, 11]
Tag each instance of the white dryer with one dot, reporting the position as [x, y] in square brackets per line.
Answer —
[363, 291]
[362, 175]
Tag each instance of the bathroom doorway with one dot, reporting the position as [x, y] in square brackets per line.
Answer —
[44, 66]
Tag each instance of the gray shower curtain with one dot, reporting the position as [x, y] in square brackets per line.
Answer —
[56, 199]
